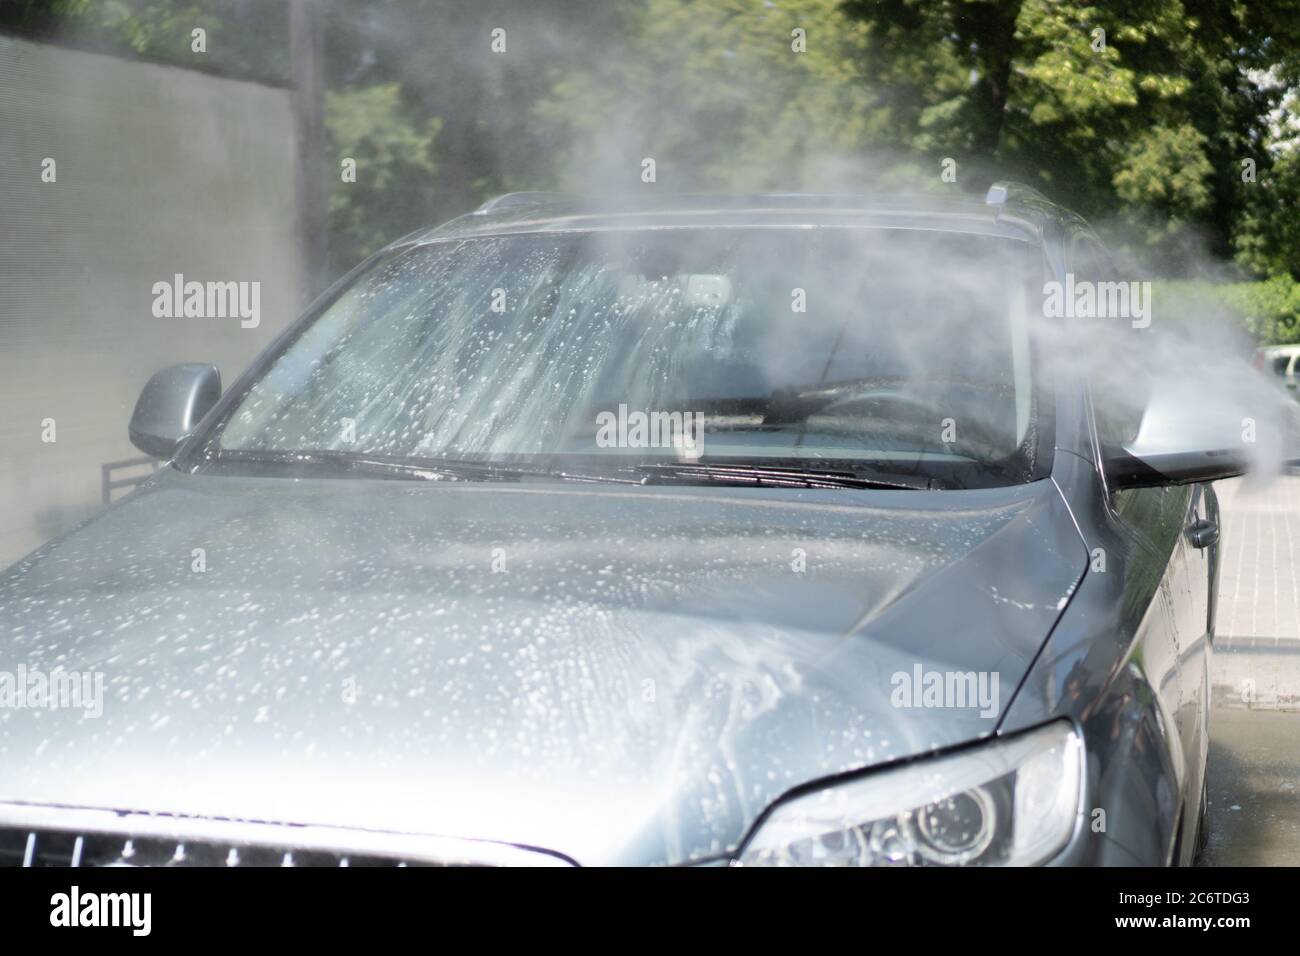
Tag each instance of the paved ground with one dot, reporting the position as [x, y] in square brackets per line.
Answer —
[1259, 596]
[1255, 730]
[1257, 659]
[1254, 789]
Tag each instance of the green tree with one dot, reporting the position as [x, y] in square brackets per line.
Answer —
[1267, 239]
[246, 40]
[1136, 113]
[441, 54]
[395, 169]
[721, 94]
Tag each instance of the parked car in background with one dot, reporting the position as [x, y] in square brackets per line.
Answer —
[762, 530]
[1283, 363]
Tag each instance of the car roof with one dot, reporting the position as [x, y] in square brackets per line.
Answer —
[1020, 215]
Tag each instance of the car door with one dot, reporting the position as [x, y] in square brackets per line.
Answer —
[1173, 639]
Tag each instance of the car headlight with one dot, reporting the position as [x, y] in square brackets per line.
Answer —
[1010, 802]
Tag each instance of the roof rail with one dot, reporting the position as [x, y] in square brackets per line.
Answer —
[1005, 191]
[519, 199]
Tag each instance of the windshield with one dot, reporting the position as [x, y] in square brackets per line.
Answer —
[853, 351]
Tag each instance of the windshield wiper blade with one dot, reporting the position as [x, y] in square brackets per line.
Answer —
[345, 464]
[436, 468]
[468, 469]
[432, 469]
[776, 477]
[349, 463]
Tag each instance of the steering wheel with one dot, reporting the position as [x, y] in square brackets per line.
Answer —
[973, 435]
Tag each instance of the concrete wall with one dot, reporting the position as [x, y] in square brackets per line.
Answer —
[159, 171]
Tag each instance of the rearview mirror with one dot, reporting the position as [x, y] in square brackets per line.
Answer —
[1190, 433]
[171, 405]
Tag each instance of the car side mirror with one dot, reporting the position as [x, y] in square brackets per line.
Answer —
[1192, 433]
[171, 405]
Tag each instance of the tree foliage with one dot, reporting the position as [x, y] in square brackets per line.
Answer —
[1140, 114]
[394, 166]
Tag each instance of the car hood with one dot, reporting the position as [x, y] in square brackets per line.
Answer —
[618, 674]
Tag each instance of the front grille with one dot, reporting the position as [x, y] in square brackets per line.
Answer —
[20, 847]
[45, 836]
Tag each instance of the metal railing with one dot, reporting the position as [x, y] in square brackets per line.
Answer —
[108, 484]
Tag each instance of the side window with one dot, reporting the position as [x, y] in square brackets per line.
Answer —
[1090, 260]
[1118, 414]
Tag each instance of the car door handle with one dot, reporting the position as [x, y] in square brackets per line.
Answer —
[1203, 533]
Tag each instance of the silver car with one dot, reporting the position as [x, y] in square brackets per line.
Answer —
[758, 530]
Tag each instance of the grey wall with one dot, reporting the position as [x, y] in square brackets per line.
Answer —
[160, 170]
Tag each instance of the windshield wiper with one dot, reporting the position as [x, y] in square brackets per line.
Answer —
[344, 463]
[775, 477]
[437, 468]
[347, 464]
